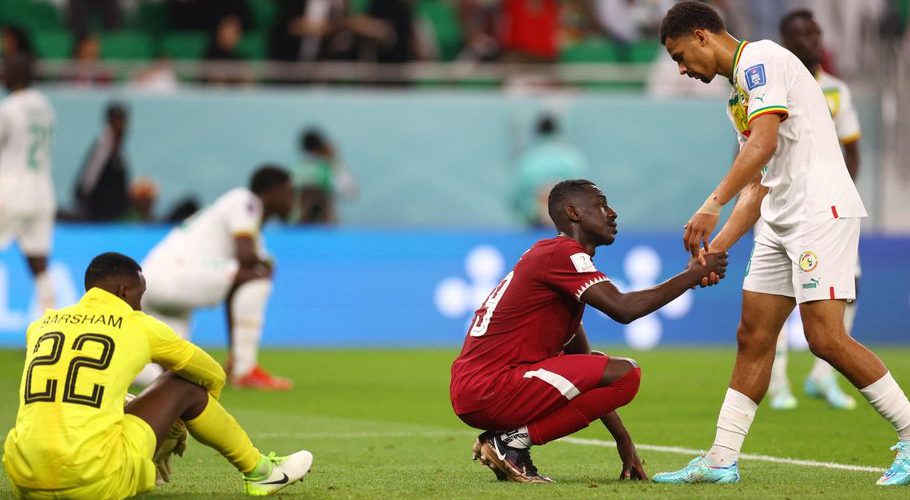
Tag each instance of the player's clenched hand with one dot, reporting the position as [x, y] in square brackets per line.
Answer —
[697, 232]
[708, 267]
[631, 464]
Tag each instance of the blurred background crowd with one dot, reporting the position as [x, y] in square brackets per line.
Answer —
[155, 44]
[102, 59]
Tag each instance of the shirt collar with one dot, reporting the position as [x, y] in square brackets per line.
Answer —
[736, 56]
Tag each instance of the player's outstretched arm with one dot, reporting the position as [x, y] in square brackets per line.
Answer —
[754, 155]
[627, 307]
[744, 216]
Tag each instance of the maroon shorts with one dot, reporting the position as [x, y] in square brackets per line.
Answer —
[528, 392]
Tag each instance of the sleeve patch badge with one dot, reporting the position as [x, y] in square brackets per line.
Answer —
[755, 76]
[583, 263]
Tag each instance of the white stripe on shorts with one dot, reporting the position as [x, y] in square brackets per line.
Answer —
[562, 384]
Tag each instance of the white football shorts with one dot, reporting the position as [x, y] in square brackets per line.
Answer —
[816, 264]
[186, 283]
[32, 232]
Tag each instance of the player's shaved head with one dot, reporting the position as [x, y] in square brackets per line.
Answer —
[563, 194]
[118, 274]
[17, 71]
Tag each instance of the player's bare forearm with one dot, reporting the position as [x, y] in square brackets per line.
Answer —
[627, 307]
[617, 429]
[754, 155]
[851, 158]
[744, 216]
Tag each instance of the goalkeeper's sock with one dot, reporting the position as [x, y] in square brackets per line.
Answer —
[216, 428]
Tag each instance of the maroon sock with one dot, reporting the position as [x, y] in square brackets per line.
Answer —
[585, 408]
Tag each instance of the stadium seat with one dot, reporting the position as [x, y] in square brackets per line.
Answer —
[263, 13]
[53, 43]
[590, 51]
[30, 14]
[150, 17]
[444, 19]
[253, 45]
[189, 45]
[127, 45]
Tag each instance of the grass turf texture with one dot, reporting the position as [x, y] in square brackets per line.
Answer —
[380, 426]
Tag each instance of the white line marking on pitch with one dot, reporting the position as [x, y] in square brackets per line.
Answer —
[745, 456]
[570, 440]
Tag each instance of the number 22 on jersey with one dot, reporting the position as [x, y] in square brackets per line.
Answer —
[483, 315]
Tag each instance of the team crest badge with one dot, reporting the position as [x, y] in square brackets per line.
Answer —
[808, 261]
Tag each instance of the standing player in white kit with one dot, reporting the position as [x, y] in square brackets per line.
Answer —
[27, 202]
[218, 256]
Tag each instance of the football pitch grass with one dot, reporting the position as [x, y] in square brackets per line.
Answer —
[380, 426]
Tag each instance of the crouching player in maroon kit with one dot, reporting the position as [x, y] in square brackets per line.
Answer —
[526, 374]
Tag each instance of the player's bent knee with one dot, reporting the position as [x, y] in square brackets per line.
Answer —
[629, 385]
[616, 369]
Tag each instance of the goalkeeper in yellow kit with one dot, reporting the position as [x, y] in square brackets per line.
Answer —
[73, 436]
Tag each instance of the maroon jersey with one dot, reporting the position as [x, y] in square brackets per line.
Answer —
[533, 312]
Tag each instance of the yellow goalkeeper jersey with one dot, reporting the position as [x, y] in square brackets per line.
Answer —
[79, 363]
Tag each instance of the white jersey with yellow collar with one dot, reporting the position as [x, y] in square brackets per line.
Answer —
[807, 177]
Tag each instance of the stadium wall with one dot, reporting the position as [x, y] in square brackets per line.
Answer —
[423, 158]
[404, 288]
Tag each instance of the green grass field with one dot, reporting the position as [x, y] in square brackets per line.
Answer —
[380, 426]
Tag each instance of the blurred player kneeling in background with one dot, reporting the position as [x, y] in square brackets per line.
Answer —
[73, 436]
[526, 374]
[217, 255]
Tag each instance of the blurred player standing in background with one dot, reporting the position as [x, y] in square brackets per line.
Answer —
[218, 256]
[27, 201]
[791, 173]
[801, 35]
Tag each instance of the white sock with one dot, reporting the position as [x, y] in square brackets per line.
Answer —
[779, 381]
[148, 374]
[733, 423]
[44, 290]
[519, 438]
[890, 402]
[248, 314]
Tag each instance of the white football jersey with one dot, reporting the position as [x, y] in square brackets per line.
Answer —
[26, 130]
[210, 232]
[807, 177]
[840, 102]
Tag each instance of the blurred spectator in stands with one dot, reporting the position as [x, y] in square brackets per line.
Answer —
[101, 188]
[159, 76]
[82, 13]
[530, 30]
[388, 32]
[204, 15]
[479, 27]
[223, 47]
[143, 194]
[311, 30]
[319, 179]
[88, 70]
[15, 41]
[547, 162]
[626, 22]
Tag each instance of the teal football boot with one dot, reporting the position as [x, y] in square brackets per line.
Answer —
[899, 473]
[697, 471]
